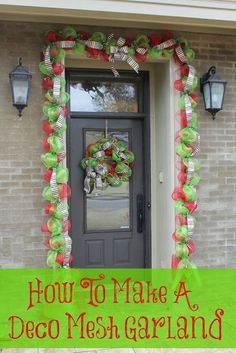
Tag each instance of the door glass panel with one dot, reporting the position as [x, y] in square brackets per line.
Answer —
[108, 209]
[101, 96]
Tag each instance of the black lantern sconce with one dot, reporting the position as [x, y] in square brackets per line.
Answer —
[20, 83]
[213, 90]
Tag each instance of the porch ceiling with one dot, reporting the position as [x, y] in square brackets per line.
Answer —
[213, 16]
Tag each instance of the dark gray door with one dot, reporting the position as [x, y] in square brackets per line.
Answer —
[109, 228]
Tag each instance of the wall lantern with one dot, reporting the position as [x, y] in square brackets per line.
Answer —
[20, 82]
[213, 89]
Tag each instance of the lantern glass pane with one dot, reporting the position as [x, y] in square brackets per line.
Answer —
[217, 91]
[20, 87]
[207, 95]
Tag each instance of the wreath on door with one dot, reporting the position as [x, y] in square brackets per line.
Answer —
[108, 162]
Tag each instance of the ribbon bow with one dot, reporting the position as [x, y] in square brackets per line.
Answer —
[120, 52]
[94, 178]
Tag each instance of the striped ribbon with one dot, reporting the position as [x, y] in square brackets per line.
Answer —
[65, 44]
[57, 88]
[133, 64]
[189, 82]
[64, 210]
[120, 52]
[116, 181]
[90, 172]
[179, 52]
[122, 155]
[167, 44]
[47, 59]
[101, 169]
[197, 147]
[60, 120]
[191, 169]
[68, 248]
[190, 223]
[188, 108]
[107, 145]
[89, 180]
[125, 170]
[111, 35]
[53, 184]
[141, 51]
[99, 154]
[93, 45]
[61, 156]
[87, 185]
[98, 182]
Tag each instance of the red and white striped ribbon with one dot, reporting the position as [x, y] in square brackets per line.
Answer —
[47, 59]
[179, 52]
[53, 185]
[167, 44]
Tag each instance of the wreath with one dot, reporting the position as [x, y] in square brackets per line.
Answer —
[108, 162]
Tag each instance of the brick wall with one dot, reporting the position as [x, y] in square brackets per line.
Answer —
[216, 216]
[21, 172]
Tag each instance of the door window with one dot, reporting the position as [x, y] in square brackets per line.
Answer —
[103, 96]
[114, 202]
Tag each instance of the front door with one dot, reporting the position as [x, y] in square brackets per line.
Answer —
[109, 227]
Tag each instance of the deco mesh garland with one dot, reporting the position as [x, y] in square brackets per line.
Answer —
[98, 45]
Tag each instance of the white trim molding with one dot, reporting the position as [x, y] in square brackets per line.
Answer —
[208, 13]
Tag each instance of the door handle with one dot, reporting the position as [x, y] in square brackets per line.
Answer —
[140, 213]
